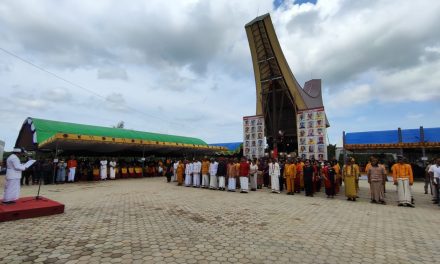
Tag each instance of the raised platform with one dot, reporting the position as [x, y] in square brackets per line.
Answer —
[28, 207]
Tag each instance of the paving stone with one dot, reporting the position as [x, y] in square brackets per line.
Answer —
[151, 221]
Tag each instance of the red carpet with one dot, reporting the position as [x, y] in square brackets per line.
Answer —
[28, 207]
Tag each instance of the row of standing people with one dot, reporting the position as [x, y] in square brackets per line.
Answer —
[297, 175]
[71, 170]
[229, 174]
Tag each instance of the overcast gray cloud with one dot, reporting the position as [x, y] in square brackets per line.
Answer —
[184, 67]
[112, 73]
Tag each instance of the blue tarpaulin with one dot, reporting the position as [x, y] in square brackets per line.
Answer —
[392, 136]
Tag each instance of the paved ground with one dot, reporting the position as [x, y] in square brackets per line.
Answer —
[150, 221]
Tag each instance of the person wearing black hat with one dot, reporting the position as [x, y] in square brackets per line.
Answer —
[13, 176]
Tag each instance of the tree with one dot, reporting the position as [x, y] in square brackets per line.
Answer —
[120, 124]
[331, 151]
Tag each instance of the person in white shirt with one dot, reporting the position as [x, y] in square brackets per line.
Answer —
[103, 170]
[197, 166]
[274, 173]
[213, 166]
[428, 182]
[175, 165]
[112, 169]
[13, 175]
[253, 171]
[434, 172]
[188, 173]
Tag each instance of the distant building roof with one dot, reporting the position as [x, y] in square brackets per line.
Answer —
[231, 146]
[429, 137]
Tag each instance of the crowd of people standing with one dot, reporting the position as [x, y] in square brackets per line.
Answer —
[292, 174]
[297, 175]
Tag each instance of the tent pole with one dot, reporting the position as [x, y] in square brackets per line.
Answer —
[143, 160]
[39, 179]
[54, 168]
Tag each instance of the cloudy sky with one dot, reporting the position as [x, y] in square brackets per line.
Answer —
[184, 67]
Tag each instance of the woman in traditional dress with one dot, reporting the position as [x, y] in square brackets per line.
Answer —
[350, 175]
[329, 180]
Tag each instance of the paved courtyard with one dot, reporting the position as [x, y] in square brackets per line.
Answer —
[150, 221]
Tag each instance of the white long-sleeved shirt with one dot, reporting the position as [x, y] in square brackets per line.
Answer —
[435, 170]
[188, 168]
[197, 167]
[103, 164]
[14, 167]
[213, 166]
[253, 169]
[274, 169]
[112, 164]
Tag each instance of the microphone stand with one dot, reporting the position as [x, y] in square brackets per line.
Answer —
[38, 197]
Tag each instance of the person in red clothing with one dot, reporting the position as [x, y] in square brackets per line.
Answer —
[317, 178]
[244, 173]
[71, 166]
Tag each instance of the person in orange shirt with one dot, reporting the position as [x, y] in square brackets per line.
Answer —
[205, 173]
[231, 173]
[403, 178]
[237, 173]
[179, 173]
[290, 174]
[71, 166]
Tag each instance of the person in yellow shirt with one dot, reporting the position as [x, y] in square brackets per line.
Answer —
[350, 175]
[205, 173]
[403, 178]
[179, 173]
[289, 175]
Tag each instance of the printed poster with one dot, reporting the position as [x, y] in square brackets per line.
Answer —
[312, 134]
[254, 141]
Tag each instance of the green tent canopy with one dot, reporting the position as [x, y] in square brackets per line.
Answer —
[47, 134]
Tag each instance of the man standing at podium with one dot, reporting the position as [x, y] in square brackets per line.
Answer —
[13, 176]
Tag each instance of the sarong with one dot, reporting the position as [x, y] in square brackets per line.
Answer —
[71, 176]
[188, 179]
[231, 184]
[221, 182]
[213, 182]
[196, 180]
[376, 190]
[275, 182]
[244, 182]
[205, 180]
[253, 181]
[350, 187]
[403, 191]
